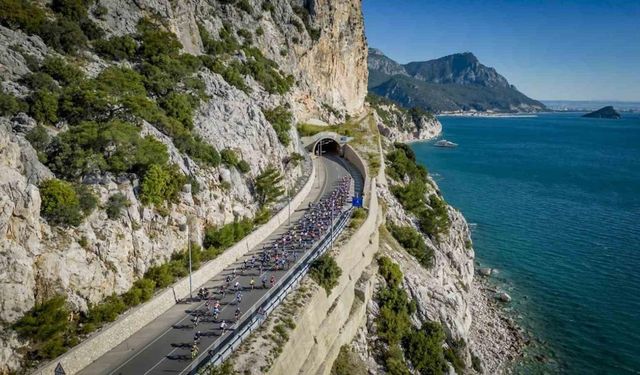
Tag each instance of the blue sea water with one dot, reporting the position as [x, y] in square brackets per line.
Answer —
[555, 202]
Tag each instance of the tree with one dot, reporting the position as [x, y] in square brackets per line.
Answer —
[268, 186]
[44, 106]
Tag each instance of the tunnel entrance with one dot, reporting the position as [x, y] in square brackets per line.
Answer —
[327, 146]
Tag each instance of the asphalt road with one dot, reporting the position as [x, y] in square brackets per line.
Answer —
[163, 346]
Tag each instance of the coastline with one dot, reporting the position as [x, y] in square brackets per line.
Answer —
[490, 114]
[495, 336]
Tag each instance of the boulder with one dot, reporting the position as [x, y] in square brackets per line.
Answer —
[503, 297]
[485, 271]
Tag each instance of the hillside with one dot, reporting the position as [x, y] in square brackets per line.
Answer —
[452, 83]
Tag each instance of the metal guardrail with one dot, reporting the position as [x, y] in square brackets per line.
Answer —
[259, 312]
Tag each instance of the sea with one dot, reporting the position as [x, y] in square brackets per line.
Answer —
[553, 201]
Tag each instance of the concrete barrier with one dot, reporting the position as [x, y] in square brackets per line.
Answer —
[352, 156]
[133, 320]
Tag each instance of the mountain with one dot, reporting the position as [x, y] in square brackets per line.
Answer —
[604, 112]
[457, 82]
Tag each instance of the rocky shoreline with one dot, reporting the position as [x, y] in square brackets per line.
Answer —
[495, 337]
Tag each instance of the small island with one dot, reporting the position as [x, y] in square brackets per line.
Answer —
[604, 112]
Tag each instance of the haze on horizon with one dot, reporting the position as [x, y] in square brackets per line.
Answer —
[569, 50]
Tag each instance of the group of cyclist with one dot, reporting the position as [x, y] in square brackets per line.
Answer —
[280, 254]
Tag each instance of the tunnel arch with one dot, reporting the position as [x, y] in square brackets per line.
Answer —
[327, 145]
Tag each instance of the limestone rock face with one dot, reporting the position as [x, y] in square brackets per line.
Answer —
[400, 126]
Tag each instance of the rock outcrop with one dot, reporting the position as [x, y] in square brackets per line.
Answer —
[604, 112]
[401, 125]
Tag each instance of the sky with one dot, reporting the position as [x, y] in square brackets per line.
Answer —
[550, 50]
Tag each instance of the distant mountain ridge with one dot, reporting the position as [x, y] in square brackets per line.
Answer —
[457, 82]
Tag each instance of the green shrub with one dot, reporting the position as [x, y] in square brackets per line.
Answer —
[22, 14]
[411, 240]
[156, 42]
[267, 6]
[63, 35]
[60, 203]
[43, 106]
[435, 220]
[10, 105]
[227, 43]
[225, 236]
[117, 48]
[358, 217]
[268, 187]
[265, 71]
[245, 6]
[161, 276]
[229, 157]
[100, 11]
[431, 210]
[390, 271]
[141, 291]
[47, 326]
[39, 81]
[243, 166]
[259, 31]
[114, 146]
[87, 199]
[295, 158]
[160, 184]
[61, 71]
[262, 216]
[199, 150]
[106, 311]
[326, 272]
[117, 202]
[180, 107]
[280, 118]
[246, 35]
[424, 349]
[348, 363]
[44, 320]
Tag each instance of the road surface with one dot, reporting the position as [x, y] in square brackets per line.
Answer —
[163, 346]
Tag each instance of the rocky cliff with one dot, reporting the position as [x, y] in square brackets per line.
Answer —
[401, 125]
[320, 43]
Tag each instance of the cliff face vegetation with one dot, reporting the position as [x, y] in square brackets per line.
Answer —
[128, 129]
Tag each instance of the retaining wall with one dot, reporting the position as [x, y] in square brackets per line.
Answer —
[132, 321]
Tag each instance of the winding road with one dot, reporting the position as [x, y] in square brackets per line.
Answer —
[163, 346]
